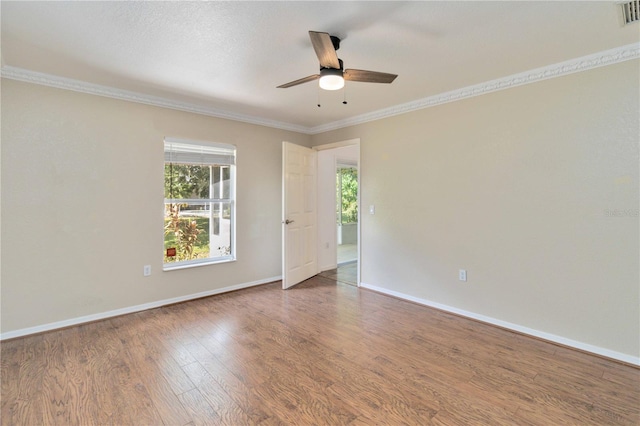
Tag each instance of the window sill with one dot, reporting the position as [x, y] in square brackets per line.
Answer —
[170, 267]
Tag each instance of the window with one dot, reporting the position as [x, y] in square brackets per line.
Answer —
[347, 194]
[199, 203]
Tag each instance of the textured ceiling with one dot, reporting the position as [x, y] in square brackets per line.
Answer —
[230, 56]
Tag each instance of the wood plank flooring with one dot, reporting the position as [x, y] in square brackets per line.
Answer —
[322, 353]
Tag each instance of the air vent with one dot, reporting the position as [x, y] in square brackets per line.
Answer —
[630, 11]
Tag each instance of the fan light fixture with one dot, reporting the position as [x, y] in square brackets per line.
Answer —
[331, 79]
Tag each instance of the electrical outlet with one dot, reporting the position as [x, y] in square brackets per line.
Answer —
[147, 270]
[462, 274]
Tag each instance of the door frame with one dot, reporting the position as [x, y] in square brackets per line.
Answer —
[342, 144]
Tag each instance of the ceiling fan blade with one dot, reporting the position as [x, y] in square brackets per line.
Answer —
[325, 51]
[369, 76]
[300, 81]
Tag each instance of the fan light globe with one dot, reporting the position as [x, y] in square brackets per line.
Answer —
[331, 79]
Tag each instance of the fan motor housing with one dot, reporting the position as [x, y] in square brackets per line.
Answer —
[329, 68]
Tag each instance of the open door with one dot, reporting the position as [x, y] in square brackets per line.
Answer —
[299, 221]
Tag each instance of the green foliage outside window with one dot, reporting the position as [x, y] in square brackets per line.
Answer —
[186, 181]
[347, 189]
[189, 235]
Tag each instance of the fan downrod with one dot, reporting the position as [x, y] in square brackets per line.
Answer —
[336, 42]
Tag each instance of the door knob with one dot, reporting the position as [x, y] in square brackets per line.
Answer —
[286, 222]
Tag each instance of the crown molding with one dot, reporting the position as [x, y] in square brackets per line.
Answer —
[20, 74]
[584, 63]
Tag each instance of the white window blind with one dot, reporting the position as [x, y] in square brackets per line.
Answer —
[182, 152]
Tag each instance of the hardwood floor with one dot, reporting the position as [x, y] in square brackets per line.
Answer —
[320, 353]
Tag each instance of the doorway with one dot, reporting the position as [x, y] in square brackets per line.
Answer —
[338, 223]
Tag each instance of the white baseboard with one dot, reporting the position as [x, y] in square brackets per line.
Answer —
[629, 359]
[129, 310]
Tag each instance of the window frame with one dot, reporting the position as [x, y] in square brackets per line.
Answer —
[212, 155]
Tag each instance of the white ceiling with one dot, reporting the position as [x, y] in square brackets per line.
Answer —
[230, 56]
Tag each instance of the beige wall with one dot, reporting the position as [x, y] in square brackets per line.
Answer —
[514, 187]
[82, 198]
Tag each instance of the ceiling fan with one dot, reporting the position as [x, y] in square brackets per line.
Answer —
[332, 73]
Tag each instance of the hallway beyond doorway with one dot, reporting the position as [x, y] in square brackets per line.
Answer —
[346, 274]
[347, 253]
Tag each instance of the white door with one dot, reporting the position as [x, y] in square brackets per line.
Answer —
[299, 228]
